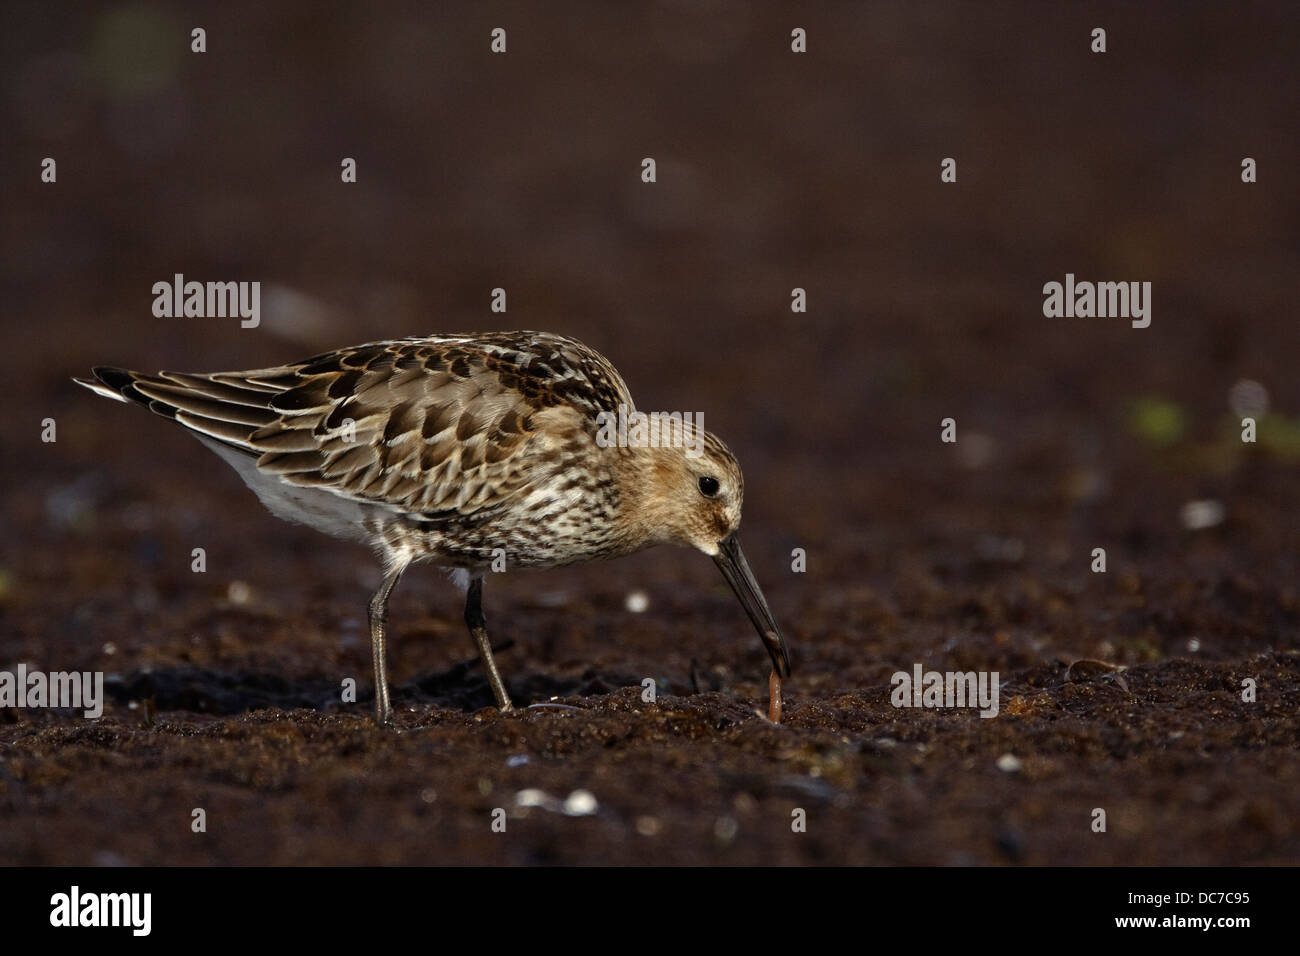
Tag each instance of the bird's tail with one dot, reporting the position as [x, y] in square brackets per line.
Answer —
[119, 384]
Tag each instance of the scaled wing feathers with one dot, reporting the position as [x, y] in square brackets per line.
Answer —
[436, 426]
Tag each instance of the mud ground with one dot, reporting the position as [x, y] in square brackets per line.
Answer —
[1121, 691]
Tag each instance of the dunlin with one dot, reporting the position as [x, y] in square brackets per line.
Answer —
[462, 451]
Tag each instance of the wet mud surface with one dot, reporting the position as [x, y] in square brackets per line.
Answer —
[1120, 690]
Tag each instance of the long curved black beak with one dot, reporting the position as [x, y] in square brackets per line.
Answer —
[731, 560]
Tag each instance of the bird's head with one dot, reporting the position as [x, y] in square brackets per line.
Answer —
[690, 493]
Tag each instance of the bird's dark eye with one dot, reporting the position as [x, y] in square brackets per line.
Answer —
[708, 486]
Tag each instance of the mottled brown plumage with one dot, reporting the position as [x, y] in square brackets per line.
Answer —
[461, 450]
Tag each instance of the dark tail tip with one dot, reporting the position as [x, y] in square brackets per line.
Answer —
[118, 379]
[113, 382]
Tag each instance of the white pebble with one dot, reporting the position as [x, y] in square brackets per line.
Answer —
[1248, 399]
[580, 803]
[1009, 763]
[1202, 514]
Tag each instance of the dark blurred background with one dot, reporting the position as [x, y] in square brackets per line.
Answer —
[775, 170]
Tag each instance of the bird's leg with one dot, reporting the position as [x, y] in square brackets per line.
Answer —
[378, 618]
[478, 630]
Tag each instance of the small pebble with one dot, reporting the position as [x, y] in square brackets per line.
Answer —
[1248, 399]
[580, 803]
[1198, 515]
[725, 829]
